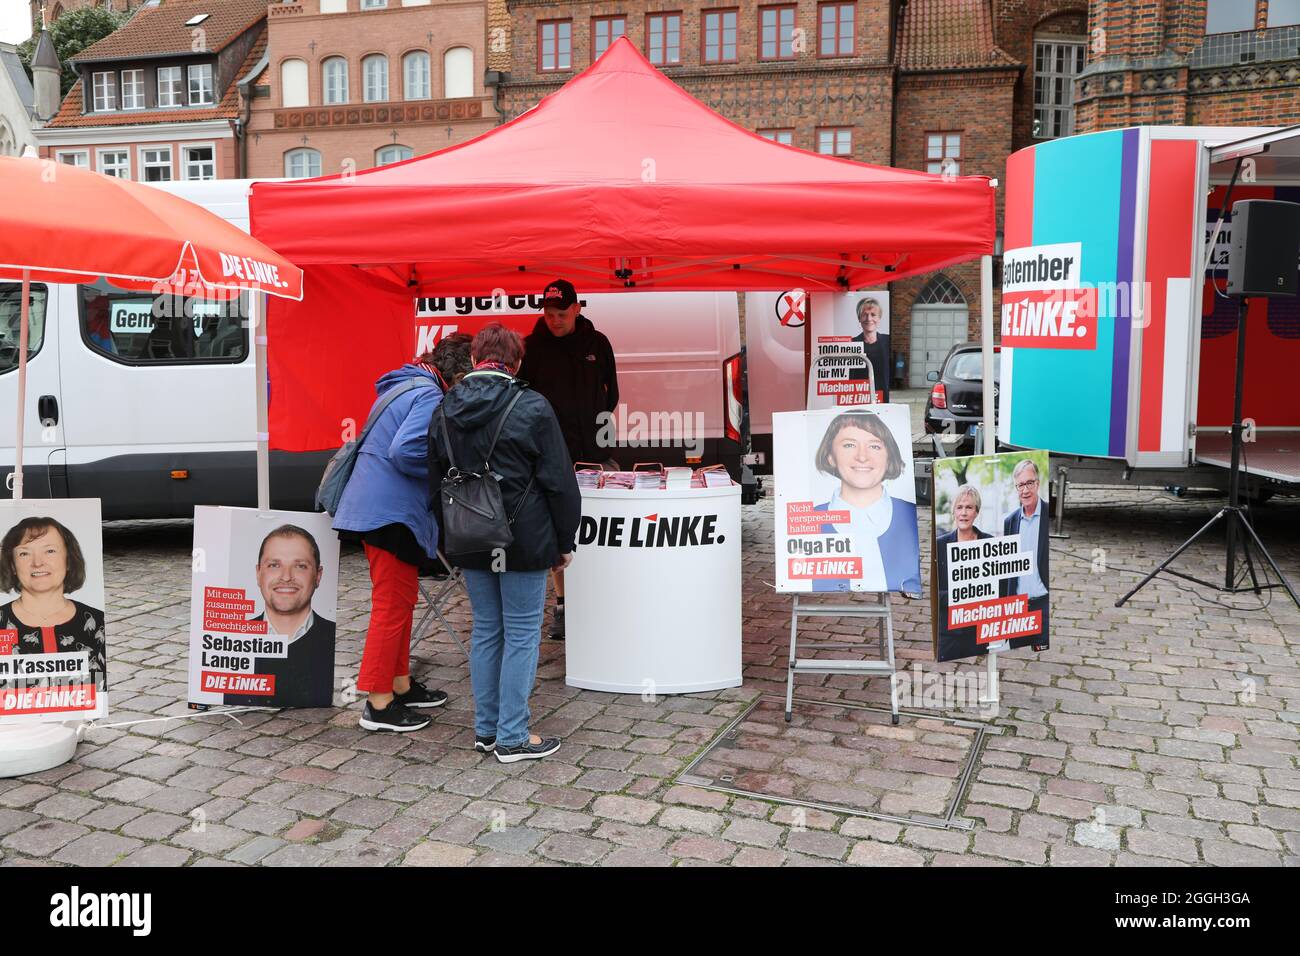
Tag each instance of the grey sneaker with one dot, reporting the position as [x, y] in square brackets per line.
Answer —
[528, 750]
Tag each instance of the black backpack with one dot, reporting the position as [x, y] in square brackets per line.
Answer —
[473, 513]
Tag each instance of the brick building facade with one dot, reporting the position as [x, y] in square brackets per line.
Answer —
[157, 100]
[923, 84]
[1194, 63]
[351, 84]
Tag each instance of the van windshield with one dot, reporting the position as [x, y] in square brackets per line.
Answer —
[139, 327]
[11, 304]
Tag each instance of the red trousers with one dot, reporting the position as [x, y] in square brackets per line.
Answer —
[393, 592]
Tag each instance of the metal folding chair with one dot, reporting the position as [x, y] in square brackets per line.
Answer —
[436, 595]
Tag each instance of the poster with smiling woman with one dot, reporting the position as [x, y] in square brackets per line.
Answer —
[53, 652]
[263, 608]
[846, 500]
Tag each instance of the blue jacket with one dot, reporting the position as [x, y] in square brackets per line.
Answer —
[900, 552]
[390, 481]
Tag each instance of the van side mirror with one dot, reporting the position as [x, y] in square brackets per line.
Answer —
[932, 376]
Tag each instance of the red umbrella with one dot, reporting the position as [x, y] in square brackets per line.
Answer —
[59, 223]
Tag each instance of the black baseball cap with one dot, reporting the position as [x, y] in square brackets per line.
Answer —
[559, 294]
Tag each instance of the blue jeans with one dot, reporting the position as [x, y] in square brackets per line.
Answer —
[503, 649]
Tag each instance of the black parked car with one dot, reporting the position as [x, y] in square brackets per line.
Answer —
[956, 402]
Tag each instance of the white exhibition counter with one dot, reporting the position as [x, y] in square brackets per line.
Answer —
[652, 598]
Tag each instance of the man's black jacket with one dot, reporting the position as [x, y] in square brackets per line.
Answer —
[303, 679]
[576, 374]
[530, 446]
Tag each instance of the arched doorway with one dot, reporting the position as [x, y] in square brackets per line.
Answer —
[939, 321]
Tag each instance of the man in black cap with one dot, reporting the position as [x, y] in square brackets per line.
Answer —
[572, 365]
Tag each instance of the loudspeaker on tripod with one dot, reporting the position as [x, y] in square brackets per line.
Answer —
[1264, 256]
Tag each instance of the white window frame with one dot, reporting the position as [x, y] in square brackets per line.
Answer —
[365, 78]
[83, 155]
[374, 4]
[935, 162]
[425, 91]
[379, 153]
[782, 135]
[289, 174]
[175, 97]
[106, 101]
[1051, 119]
[197, 69]
[185, 161]
[457, 86]
[326, 87]
[143, 168]
[137, 87]
[100, 165]
[840, 135]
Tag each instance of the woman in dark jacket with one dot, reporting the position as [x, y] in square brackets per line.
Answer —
[507, 590]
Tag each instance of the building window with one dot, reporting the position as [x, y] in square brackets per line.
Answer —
[835, 141]
[115, 162]
[458, 72]
[155, 164]
[293, 83]
[835, 29]
[301, 162]
[719, 36]
[415, 75]
[392, 154]
[334, 76]
[783, 136]
[604, 31]
[663, 33]
[171, 91]
[1283, 13]
[198, 162]
[1056, 65]
[943, 153]
[776, 32]
[74, 157]
[554, 45]
[1230, 16]
[373, 4]
[201, 92]
[374, 75]
[105, 89]
[133, 89]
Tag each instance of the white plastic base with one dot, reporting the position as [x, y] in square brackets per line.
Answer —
[30, 748]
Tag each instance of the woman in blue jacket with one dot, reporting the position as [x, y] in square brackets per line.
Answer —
[386, 506]
[860, 451]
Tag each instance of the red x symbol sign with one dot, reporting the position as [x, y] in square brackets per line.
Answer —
[790, 308]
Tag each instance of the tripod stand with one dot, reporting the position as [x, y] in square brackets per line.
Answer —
[1233, 514]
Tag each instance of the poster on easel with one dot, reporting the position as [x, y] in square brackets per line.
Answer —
[989, 580]
[845, 500]
[263, 607]
[849, 330]
[53, 648]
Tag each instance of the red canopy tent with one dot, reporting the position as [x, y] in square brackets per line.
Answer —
[619, 181]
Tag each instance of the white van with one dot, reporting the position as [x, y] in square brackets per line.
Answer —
[154, 419]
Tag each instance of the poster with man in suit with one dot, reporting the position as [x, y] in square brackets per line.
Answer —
[989, 580]
[263, 611]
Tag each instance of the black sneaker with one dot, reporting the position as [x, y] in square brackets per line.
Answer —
[394, 717]
[420, 696]
[485, 745]
[557, 623]
[528, 750]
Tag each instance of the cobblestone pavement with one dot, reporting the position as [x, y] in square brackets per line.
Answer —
[1161, 733]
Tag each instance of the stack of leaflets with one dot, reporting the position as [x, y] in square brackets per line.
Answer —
[676, 479]
[588, 477]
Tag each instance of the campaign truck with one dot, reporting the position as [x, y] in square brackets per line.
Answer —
[1118, 338]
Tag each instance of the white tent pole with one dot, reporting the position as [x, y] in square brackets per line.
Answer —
[24, 320]
[257, 314]
[991, 693]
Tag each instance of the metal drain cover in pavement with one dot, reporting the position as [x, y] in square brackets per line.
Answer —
[845, 758]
